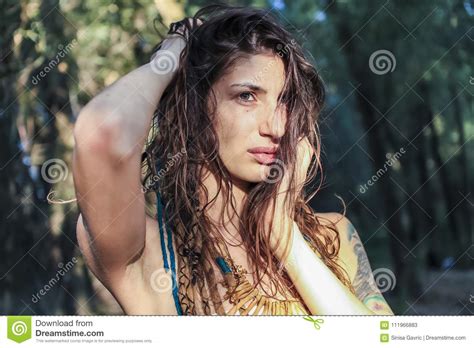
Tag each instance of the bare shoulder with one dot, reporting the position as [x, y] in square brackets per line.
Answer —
[353, 258]
[335, 219]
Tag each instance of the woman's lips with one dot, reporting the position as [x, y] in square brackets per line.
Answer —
[263, 157]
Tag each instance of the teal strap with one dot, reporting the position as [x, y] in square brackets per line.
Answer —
[161, 222]
[223, 265]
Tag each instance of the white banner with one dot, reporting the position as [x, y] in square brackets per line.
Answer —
[236, 331]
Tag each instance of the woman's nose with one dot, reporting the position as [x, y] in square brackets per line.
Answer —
[274, 123]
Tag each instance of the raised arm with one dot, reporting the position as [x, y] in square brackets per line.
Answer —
[109, 137]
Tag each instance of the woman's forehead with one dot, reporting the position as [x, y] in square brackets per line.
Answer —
[263, 70]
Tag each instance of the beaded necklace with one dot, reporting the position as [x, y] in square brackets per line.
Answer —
[245, 297]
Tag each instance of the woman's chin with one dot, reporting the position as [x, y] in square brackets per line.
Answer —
[260, 173]
[253, 173]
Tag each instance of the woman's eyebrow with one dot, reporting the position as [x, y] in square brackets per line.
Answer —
[251, 86]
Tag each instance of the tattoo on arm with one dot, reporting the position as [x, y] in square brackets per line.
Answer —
[364, 284]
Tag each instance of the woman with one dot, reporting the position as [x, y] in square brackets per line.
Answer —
[234, 140]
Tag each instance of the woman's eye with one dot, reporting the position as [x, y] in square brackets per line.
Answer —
[246, 97]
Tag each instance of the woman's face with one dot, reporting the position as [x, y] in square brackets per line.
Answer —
[249, 124]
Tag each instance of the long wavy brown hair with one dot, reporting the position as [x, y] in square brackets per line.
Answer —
[182, 140]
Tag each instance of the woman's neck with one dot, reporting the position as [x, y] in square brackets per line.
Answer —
[224, 217]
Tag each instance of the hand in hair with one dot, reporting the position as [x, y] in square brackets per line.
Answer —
[184, 27]
[178, 35]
